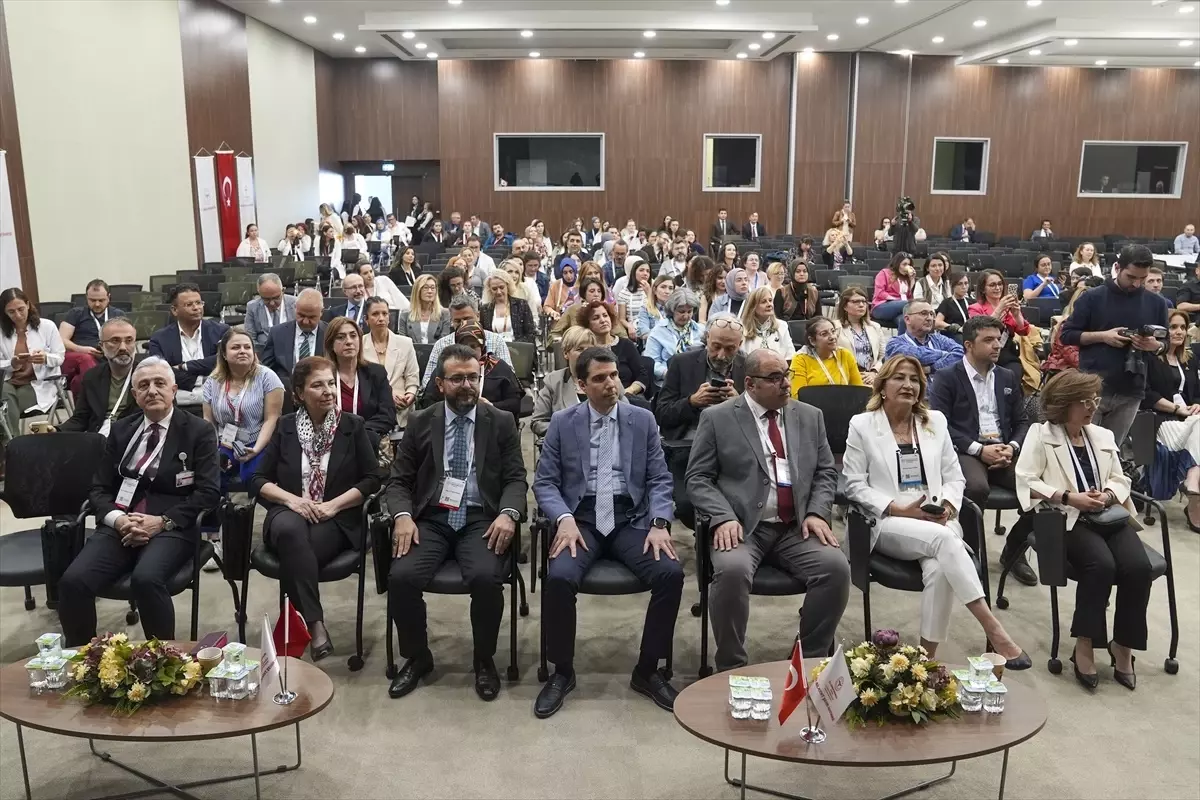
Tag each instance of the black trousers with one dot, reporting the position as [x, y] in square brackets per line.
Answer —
[1100, 561]
[980, 480]
[483, 570]
[102, 561]
[303, 548]
[664, 577]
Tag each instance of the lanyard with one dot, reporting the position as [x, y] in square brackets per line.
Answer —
[137, 440]
[354, 403]
[236, 411]
[1079, 476]
[828, 377]
[962, 307]
[100, 324]
[121, 397]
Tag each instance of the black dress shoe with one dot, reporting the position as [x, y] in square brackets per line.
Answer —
[656, 687]
[1126, 679]
[1089, 682]
[550, 698]
[409, 676]
[1019, 663]
[319, 650]
[487, 680]
[1018, 567]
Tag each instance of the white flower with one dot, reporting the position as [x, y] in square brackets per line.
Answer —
[860, 667]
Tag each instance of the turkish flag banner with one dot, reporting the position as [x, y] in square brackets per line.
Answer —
[227, 203]
[796, 688]
[291, 631]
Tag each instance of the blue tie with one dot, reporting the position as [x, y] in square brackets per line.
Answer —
[458, 468]
[352, 312]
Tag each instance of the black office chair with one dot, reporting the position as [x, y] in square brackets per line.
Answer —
[48, 476]
[868, 566]
[423, 353]
[49, 309]
[797, 327]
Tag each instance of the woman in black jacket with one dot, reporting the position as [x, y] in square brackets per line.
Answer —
[1173, 392]
[316, 472]
[363, 388]
[504, 314]
[500, 385]
[600, 319]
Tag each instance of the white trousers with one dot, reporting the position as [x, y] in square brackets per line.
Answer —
[1181, 434]
[946, 567]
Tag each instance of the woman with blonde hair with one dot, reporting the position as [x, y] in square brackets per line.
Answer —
[858, 333]
[1086, 256]
[504, 313]
[761, 328]
[776, 273]
[1066, 356]
[559, 389]
[902, 471]
[329, 217]
[425, 321]
[654, 309]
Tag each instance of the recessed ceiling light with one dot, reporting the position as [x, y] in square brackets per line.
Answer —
[409, 35]
[741, 55]
[649, 34]
[833, 37]
[454, 2]
[980, 23]
[1197, 64]
[808, 51]
[310, 20]
[639, 54]
[421, 45]
[1001, 60]
[526, 34]
[1101, 63]
[276, 1]
[862, 20]
[901, 2]
[722, 2]
[1035, 52]
[339, 35]
[1033, 3]
[768, 35]
[754, 45]
[360, 49]
[938, 39]
[1071, 42]
[535, 54]
[1186, 9]
[434, 55]
[1157, 2]
[904, 52]
[1186, 43]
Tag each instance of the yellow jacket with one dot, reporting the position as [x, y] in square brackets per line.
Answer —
[808, 371]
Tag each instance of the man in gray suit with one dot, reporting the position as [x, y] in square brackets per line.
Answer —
[272, 307]
[768, 482]
[292, 341]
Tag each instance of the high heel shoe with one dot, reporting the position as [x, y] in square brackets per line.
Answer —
[1089, 682]
[1019, 663]
[1126, 679]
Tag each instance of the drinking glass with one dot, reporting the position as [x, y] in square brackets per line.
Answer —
[972, 698]
[993, 699]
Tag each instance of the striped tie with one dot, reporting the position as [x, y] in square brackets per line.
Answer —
[458, 469]
[605, 518]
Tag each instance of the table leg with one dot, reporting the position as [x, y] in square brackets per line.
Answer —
[24, 766]
[1003, 773]
[924, 784]
[160, 786]
[254, 752]
[743, 785]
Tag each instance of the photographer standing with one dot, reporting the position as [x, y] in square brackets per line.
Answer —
[1109, 325]
[904, 226]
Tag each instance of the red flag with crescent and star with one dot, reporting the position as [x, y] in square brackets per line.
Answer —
[796, 688]
[227, 203]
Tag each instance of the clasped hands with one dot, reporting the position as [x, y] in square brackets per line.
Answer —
[312, 511]
[729, 535]
[996, 456]
[137, 529]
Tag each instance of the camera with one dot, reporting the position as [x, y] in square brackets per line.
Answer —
[1157, 331]
[905, 208]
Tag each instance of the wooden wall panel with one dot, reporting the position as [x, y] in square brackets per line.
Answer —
[385, 109]
[653, 114]
[216, 82]
[10, 140]
[324, 69]
[822, 102]
[1037, 119]
[879, 140]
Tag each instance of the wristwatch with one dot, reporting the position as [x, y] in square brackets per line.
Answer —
[512, 514]
[661, 522]
[168, 524]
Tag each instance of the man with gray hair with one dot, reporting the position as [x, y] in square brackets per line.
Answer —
[464, 308]
[272, 307]
[106, 395]
[302, 337]
[934, 350]
[158, 474]
[676, 333]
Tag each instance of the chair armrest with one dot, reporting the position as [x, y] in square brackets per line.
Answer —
[858, 535]
[1050, 540]
[703, 534]
[1162, 516]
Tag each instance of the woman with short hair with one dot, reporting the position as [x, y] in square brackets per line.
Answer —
[601, 320]
[677, 333]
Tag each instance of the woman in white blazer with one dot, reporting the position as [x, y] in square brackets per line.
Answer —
[763, 330]
[899, 460]
[858, 333]
[253, 246]
[1075, 467]
[397, 356]
[31, 353]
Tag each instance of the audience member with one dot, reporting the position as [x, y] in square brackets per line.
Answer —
[1044, 232]
[727, 256]
[405, 268]
[272, 307]
[505, 314]
[453, 281]
[1041, 283]
[591, 237]
[563, 291]
[843, 220]
[465, 503]
[498, 386]
[1064, 356]
[380, 286]
[768, 494]
[426, 321]
[1102, 545]
[355, 290]
[836, 248]
[714, 287]
[696, 379]
[991, 299]
[858, 333]
[395, 353]
[753, 230]
[1154, 283]
[807, 254]
[158, 475]
[254, 247]
[352, 239]
[953, 313]
[762, 329]
[1188, 297]
[600, 319]
[694, 247]
[329, 245]
[822, 362]
[330, 218]
[696, 275]
[483, 265]
[1097, 325]
[608, 492]
[31, 354]
[934, 350]
[1173, 390]
[1186, 243]
[80, 332]
[104, 396]
[291, 246]
[933, 288]
[964, 231]
[677, 332]
[883, 236]
[631, 297]
[894, 287]
[654, 309]
[1086, 256]
[291, 342]
[574, 251]
[437, 235]
[798, 298]
[559, 390]
[755, 278]
[737, 284]
[720, 229]
[900, 461]
[363, 387]
[676, 265]
[464, 309]
[776, 275]
[397, 230]
[537, 283]
[189, 344]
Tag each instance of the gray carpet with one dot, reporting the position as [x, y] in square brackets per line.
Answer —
[607, 742]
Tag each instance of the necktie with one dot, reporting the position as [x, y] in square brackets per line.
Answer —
[787, 505]
[151, 445]
[305, 346]
[605, 520]
[458, 469]
[352, 312]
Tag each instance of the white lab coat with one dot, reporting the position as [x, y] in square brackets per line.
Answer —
[44, 337]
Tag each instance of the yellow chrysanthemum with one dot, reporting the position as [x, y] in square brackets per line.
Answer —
[138, 692]
[899, 662]
[868, 697]
[859, 667]
[191, 669]
[919, 672]
[81, 670]
[119, 637]
[929, 700]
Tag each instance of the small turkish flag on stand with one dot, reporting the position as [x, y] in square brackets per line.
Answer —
[291, 632]
[796, 688]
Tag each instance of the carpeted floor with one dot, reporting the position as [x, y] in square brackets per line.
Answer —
[607, 742]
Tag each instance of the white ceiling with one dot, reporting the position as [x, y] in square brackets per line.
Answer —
[1124, 33]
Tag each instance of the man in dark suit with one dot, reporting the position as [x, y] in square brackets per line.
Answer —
[603, 482]
[106, 395]
[302, 337]
[574, 250]
[964, 231]
[753, 229]
[985, 410]
[188, 344]
[453, 228]
[158, 475]
[720, 229]
[457, 489]
[356, 300]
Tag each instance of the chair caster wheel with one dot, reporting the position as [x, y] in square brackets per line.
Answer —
[1001, 530]
[391, 672]
[52, 604]
[30, 604]
[131, 618]
[355, 662]
[542, 675]
[523, 558]
[1002, 603]
[512, 673]
[524, 609]
[695, 609]
[705, 671]
[1171, 666]
[1055, 666]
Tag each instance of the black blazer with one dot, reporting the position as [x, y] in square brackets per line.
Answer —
[520, 317]
[1162, 381]
[91, 407]
[951, 393]
[375, 403]
[401, 278]
[417, 469]
[165, 343]
[500, 387]
[352, 465]
[279, 354]
[630, 366]
[685, 373]
[187, 435]
[731, 229]
[762, 231]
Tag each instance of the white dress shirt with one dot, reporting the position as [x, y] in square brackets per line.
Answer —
[312, 343]
[386, 288]
[142, 438]
[399, 229]
[986, 403]
[770, 512]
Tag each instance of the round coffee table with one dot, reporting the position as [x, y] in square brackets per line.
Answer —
[703, 710]
[194, 717]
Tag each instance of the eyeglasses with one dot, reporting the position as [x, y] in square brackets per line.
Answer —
[727, 323]
[775, 377]
[459, 380]
[1091, 404]
[920, 313]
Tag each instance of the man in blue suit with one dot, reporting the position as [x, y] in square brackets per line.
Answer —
[603, 482]
[188, 344]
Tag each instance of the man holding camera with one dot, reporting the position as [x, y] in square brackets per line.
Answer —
[1117, 327]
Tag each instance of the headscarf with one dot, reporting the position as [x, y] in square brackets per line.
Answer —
[730, 281]
[315, 442]
[574, 265]
[472, 333]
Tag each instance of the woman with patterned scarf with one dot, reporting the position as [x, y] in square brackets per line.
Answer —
[678, 331]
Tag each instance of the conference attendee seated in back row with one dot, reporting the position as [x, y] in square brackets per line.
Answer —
[603, 483]
[271, 308]
[464, 309]
[106, 396]
[902, 472]
[560, 390]
[677, 332]
[985, 409]
[934, 350]
[355, 308]
[30, 356]
[762, 471]
[318, 468]
[822, 362]
[189, 344]
[80, 332]
[499, 385]
[397, 356]
[158, 474]
[292, 341]
[363, 387]
[380, 285]
[457, 489]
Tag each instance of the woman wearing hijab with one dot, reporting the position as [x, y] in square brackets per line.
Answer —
[798, 298]
[737, 284]
[499, 385]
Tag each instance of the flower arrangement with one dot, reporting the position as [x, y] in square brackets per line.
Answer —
[894, 680]
[110, 669]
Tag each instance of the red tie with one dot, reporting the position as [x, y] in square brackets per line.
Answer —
[787, 506]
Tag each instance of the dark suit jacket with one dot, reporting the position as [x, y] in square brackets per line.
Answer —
[521, 319]
[957, 231]
[762, 231]
[500, 387]
[352, 465]
[375, 403]
[418, 469]
[685, 373]
[165, 343]
[1162, 382]
[91, 407]
[340, 310]
[731, 229]
[951, 393]
[187, 435]
[279, 353]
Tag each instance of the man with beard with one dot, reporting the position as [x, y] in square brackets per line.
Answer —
[676, 265]
[457, 490]
[762, 470]
[574, 248]
[106, 395]
[603, 482]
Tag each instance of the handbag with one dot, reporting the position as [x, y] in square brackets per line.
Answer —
[1108, 521]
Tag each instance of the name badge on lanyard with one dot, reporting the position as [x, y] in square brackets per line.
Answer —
[129, 484]
[828, 376]
[106, 426]
[229, 430]
[1079, 474]
[908, 465]
[100, 323]
[453, 489]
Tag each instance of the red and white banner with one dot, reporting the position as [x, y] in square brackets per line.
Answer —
[10, 265]
[227, 203]
[796, 688]
[245, 185]
[206, 204]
